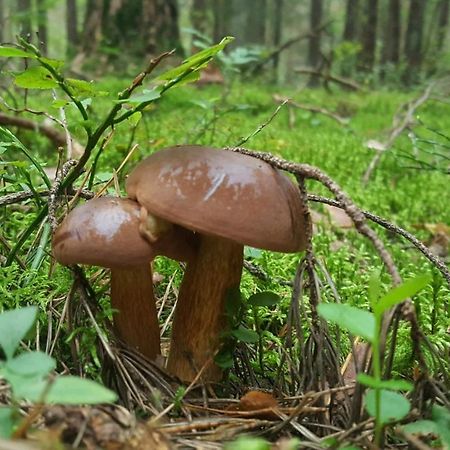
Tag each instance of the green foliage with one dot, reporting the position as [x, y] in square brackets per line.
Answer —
[381, 403]
[437, 425]
[28, 374]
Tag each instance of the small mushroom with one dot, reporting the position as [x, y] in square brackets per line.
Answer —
[229, 200]
[106, 232]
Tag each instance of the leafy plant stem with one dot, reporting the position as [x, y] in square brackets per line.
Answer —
[377, 376]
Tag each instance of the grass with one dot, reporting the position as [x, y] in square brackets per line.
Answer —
[409, 198]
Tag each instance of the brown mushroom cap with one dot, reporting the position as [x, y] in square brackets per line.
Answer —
[105, 232]
[221, 193]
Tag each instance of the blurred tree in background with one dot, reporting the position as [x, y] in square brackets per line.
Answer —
[369, 40]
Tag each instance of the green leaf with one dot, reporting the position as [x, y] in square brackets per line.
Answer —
[393, 385]
[422, 427]
[14, 326]
[233, 302]
[31, 364]
[195, 62]
[265, 298]
[36, 78]
[441, 416]
[12, 52]
[374, 287]
[134, 119]
[148, 95]
[57, 64]
[245, 335]
[393, 406]
[82, 88]
[224, 358]
[401, 293]
[357, 321]
[6, 421]
[70, 390]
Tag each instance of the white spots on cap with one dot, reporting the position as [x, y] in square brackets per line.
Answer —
[214, 186]
[107, 223]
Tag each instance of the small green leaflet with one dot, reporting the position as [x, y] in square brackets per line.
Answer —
[12, 52]
[393, 385]
[401, 293]
[245, 335]
[195, 62]
[35, 78]
[357, 321]
[14, 326]
[265, 298]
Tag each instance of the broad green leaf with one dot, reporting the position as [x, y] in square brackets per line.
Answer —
[224, 358]
[148, 95]
[196, 61]
[31, 364]
[11, 52]
[393, 385]
[70, 390]
[423, 427]
[401, 293]
[266, 298]
[36, 78]
[14, 326]
[441, 416]
[374, 287]
[357, 321]
[60, 103]
[393, 406]
[245, 335]
[6, 421]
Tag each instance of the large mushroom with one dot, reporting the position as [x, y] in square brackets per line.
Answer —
[113, 232]
[229, 200]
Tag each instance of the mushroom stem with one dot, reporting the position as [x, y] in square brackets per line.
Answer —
[200, 312]
[135, 320]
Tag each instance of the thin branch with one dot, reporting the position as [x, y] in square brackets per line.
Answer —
[311, 108]
[328, 77]
[400, 124]
[435, 260]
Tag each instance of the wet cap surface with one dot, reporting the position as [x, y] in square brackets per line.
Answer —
[221, 193]
[103, 232]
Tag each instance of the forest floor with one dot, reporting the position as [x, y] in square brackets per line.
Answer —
[338, 132]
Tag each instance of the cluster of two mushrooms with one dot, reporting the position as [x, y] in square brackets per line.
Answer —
[193, 204]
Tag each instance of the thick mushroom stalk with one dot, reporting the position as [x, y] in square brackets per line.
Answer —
[106, 232]
[229, 200]
[200, 313]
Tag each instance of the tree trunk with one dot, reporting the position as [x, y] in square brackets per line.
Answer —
[2, 20]
[159, 26]
[351, 20]
[200, 18]
[71, 26]
[24, 10]
[277, 30]
[369, 35]
[255, 31]
[314, 55]
[92, 29]
[391, 43]
[413, 40]
[222, 10]
[42, 26]
[444, 8]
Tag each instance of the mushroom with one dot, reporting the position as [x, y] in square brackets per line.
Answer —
[229, 200]
[109, 232]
